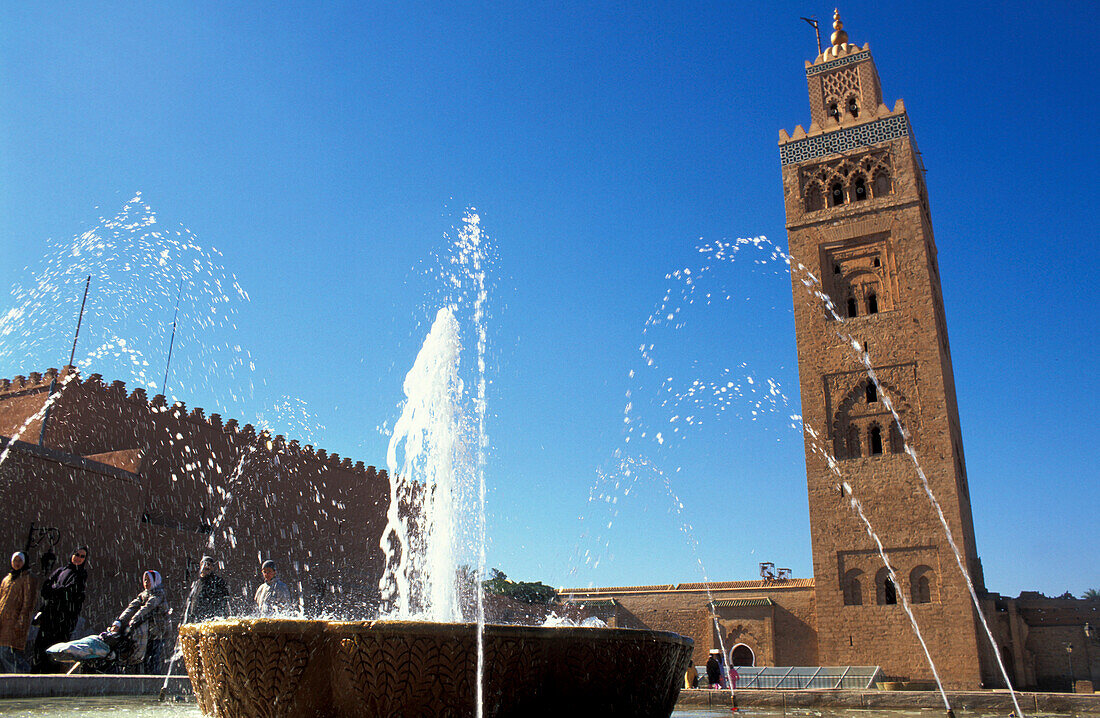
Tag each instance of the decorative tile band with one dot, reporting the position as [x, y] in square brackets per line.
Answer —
[850, 138]
[839, 62]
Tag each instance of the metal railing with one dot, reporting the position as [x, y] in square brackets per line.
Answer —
[798, 678]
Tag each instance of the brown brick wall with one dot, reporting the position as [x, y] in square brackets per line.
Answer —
[881, 245]
[317, 515]
[782, 634]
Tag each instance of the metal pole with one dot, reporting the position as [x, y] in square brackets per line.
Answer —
[1069, 655]
[80, 319]
[72, 355]
[27, 546]
[817, 31]
[172, 342]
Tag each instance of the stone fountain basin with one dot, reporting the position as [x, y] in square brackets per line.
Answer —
[276, 667]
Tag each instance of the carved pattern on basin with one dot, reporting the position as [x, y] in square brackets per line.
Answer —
[273, 668]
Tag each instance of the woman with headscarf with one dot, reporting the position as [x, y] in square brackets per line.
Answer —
[18, 595]
[145, 622]
[62, 599]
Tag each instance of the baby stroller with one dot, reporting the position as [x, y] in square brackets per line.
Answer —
[100, 653]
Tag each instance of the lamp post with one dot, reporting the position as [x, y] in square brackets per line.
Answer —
[1089, 631]
[35, 536]
[1069, 656]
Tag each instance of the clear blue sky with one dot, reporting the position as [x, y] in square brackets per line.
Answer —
[325, 149]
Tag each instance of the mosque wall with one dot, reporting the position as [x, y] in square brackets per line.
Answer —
[775, 620]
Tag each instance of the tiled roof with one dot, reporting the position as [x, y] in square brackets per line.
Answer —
[757, 585]
[593, 602]
[741, 602]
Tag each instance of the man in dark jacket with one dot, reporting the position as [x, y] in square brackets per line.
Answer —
[714, 668]
[62, 599]
[210, 595]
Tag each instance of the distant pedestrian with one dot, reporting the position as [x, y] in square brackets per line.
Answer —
[272, 597]
[714, 669]
[691, 677]
[145, 623]
[210, 595]
[18, 595]
[62, 599]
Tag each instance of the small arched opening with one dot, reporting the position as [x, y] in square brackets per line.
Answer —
[836, 194]
[815, 197]
[922, 584]
[854, 449]
[853, 309]
[874, 440]
[872, 392]
[834, 111]
[859, 189]
[853, 588]
[880, 185]
[897, 440]
[853, 106]
[872, 303]
[742, 655]
[886, 593]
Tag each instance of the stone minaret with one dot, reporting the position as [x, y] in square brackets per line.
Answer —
[858, 222]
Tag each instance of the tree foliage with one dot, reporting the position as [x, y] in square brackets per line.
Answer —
[1091, 595]
[524, 591]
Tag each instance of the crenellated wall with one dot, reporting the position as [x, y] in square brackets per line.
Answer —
[142, 482]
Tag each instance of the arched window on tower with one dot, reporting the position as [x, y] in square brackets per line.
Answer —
[859, 189]
[834, 111]
[922, 584]
[853, 106]
[872, 392]
[854, 449]
[886, 593]
[897, 441]
[836, 194]
[874, 440]
[853, 590]
[880, 185]
[853, 311]
[872, 303]
[815, 197]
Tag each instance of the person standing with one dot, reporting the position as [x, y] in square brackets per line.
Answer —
[146, 618]
[18, 595]
[273, 596]
[734, 677]
[714, 669]
[62, 599]
[210, 596]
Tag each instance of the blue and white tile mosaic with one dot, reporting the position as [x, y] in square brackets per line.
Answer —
[834, 64]
[850, 138]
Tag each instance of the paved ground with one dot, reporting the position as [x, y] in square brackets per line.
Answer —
[997, 702]
[976, 701]
[41, 686]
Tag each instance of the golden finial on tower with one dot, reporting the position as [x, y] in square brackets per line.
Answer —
[839, 37]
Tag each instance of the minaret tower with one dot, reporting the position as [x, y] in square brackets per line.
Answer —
[858, 221]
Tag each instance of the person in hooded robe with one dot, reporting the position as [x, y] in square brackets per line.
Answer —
[18, 595]
[62, 598]
[145, 623]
